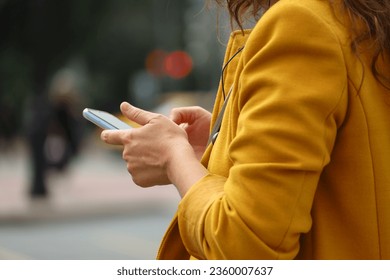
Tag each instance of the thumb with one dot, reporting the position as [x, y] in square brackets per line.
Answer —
[135, 114]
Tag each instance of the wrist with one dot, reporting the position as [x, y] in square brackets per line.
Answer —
[183, 168]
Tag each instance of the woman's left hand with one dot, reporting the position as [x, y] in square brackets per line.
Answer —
[150, 150]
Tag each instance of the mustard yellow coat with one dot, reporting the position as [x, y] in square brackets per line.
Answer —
[301, 167]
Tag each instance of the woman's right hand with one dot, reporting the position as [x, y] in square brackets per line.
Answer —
[196, 122]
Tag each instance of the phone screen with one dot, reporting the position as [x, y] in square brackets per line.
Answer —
[104, 119]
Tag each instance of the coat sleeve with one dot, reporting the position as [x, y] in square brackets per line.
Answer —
[291, 98]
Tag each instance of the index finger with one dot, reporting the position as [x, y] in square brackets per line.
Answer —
[113, 137]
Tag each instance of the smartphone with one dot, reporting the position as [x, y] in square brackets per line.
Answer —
[104, 119]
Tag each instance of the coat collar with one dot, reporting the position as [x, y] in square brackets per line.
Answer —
[236, 42]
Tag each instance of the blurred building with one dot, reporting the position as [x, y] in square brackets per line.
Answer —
[110, 41]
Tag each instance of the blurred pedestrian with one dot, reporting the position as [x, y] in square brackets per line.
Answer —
[53, 128]
[64, 133]
[37, 123]
[296, 164]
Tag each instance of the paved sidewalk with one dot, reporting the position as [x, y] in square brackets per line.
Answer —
[94, 210]
[96, 183]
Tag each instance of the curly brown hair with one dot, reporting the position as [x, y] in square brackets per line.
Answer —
[374, 14]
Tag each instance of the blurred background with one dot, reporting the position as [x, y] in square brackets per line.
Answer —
[63, 193]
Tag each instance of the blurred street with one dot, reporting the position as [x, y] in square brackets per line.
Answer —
[58, 57]
[94, 210]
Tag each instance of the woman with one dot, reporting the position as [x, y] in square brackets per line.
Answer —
[296, 165]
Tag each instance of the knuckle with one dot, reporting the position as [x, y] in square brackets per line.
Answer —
[175, 112]
[137, 114]
[126, 137]
[128, 167]
[157, 117]
[137, 181]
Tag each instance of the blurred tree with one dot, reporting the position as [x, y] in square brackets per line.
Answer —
[37, 38]
[42, 35]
